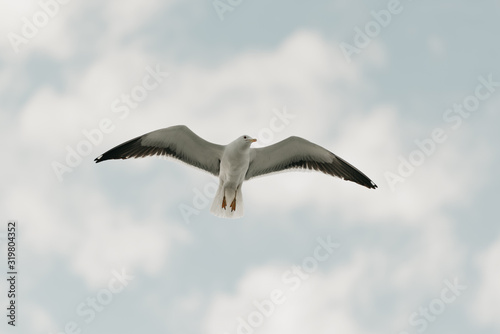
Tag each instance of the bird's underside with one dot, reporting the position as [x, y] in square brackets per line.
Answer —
[181, 143]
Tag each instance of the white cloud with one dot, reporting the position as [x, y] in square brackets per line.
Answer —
[348, 295]
[58, 35]
[373, 143]
[241, 93]
[40, 320]
[293, 75]
[93, 235]
[484, 309]
[43, 32]
[323, 303]
[112, 239]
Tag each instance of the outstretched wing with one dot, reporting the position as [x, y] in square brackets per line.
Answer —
[177, 142]
[298, 153]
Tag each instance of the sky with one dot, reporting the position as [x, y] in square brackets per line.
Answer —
[406, 91]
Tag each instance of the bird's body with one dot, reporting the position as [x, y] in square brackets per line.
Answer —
[233, 168]
[236, 162]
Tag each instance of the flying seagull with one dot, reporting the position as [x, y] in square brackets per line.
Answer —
[236, 162]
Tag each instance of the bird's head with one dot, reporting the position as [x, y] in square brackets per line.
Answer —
[245, 141]
[248, 139]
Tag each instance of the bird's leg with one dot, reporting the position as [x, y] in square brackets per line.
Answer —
[224, 204]
[233, 203]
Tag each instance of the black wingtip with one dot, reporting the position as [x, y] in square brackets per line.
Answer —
[366, 183]
[120, 152]
[353, 174]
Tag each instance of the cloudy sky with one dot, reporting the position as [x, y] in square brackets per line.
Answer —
[407, 91]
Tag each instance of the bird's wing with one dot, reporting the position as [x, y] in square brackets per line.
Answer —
[177, 142]
[298, 153]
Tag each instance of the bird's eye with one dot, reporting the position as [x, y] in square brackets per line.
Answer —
[244, 137]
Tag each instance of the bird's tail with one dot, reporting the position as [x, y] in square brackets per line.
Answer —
[222, 205]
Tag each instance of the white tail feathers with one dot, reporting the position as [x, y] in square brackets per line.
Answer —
[217, 208]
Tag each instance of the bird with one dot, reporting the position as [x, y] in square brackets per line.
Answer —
[236, 162]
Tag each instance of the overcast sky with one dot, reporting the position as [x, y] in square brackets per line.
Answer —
[407, 91]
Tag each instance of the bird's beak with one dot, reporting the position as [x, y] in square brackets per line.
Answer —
[253, 140]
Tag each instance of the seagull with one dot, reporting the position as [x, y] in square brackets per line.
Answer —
[236, 162]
